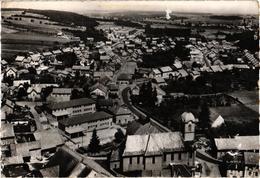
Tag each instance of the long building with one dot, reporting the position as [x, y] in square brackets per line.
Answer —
[75, 126]
[61, 110]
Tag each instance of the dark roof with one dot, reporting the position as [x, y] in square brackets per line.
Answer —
[71, 103]
[251, 158]
[132, 127]
[83, 118]
[124, 77]
[148, 128]
[65, 162]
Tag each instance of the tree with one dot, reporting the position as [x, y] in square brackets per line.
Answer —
[119, 136]
[154, 96]
[32, 70]
[21, 93]
[204, 117]
[94, 146]
[45, 92]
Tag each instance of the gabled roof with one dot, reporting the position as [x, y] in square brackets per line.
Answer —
[135, 145]
[164, 142]
[238, 143]
[251, 158]
[80, 166]
[71, 103]
[62, 91]
[122, 111]
[19, 58]
[124, 76]
[166, 69]
[3, 62]
[84, 118]
[7, 130]
[153, 144]
[11, 68]
[148, 128]
[79, 67]
[49, 139]
[98, 86]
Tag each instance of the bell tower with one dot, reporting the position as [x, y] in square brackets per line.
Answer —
[189, 124]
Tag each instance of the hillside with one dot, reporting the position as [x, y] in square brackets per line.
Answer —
[64, 17]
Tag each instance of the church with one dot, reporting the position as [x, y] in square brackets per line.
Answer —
[158, 151]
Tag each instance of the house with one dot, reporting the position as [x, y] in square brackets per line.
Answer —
[3, 63]
[153, 152]
[135, 90]
[80, 165]
[251, 164]
[11, 72]
[124, 79]
[241, 150]
[18, 83]
[75, 126]
[123, 116]
[73, 107]
[183, 73]
[19, 59]
[59, 95]
[34, 92]
[7, 134]
[216, 68]
[57, 52]
[104, 58]
[113, 88]
[98, 89]
[160, 81]
[81, 69]
[98, 74]
[47, 54]
[7, 107]
[105, 80]
[240, 143]
[155, 73]
[115, 159]
[166, 71]
[26, 150]
[50, 140]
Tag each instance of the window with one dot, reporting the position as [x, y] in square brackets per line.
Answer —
[189, 127]
[138, 159]
[164, 157]
[153, 160]
[172, 156]
[190, 154]
[179, 157]
[130, 160]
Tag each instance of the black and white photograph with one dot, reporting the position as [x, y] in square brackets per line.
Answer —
[130, 88]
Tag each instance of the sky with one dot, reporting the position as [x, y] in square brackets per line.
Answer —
[83, 7]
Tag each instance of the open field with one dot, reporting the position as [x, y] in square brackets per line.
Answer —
[236, 113]
[14, 43]
[34, 38]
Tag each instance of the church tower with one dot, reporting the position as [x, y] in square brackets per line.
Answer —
[189, 124]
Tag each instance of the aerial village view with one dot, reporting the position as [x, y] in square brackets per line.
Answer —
[129, 89]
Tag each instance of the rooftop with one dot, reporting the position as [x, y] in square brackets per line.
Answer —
[71, 103]
[238, 143]
[153, 143]
[49, 139]
[83, 118]
[61, 90]
[7, 130]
